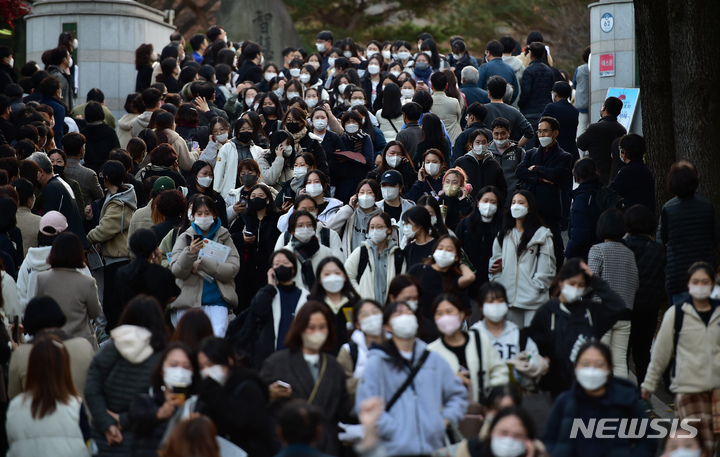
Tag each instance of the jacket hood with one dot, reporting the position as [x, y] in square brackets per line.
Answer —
[36, 258]
[126, 122]
[313, 136]
[144, 118]
[132, 342]
[126, 196]
[172, 135]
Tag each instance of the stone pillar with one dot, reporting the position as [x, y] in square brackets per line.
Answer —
[266, 22]
[612, 31]
[108, 33]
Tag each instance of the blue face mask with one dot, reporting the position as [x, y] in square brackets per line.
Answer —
[422, 65]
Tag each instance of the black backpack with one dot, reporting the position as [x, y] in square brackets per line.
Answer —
[607, 198]
[365, 259]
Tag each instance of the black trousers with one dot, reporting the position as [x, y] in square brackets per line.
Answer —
[644, 322]
[112, 307]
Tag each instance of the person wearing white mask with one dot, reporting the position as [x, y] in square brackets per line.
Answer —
[333, 288]
[220, 130]
[405, 57]
[325, 235]
[566, 322]
[351, 220]
[306, 246]
[392, 187]
[477, 232]
[419, 234]
[395, 157]
[277, 163]
[684, 444]
[599, 395]
[444, 272]
[200, 181]
[430, 175]
[523, 259]
[205, 282]
[312, 374]
[470, 355]
[512, 345]
[353, 355]
[372, 266]
[316, 186]
[690, 331]
[320, 119]
[226, 387]
[231, 154]
[372, 82]
[304, 163]
[348, 172]
[390, 116]
[407, 90]
[414, 421]
[480, 166]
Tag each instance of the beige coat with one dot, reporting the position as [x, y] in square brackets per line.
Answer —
[186, 158]
[81, 354]
[449, 111]
[115, 217]
[29, 225]
[77, 296]
[191, 283]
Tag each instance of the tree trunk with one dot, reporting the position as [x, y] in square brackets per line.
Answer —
[656, 94]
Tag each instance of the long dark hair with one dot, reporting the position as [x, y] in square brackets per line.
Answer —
[432, 132]
[451, 276]
[391, 106]
[525, 419]
[500, 204]
[156, 376]
[429, 200]
[531, 223]
[271, 207]
[318, 291]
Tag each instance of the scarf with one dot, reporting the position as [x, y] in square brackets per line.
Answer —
[305, 252]
[213, 229]
[299, 135]
[423, 74]
[357, 137]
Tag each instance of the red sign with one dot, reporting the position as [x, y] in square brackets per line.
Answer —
[607, 65]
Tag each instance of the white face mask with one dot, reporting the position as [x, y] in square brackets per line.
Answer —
[395, 73]
[591, 378]
[311, 102]
[457, 56]
[506, 446]
[501, 143]
[294, 72]
[571, 294]
[433, 220]
[407, 93]
[304, 78]
[487, 210]
[319, 124]
[357, 102]
[408, 232]
[214, 372]
[71, 63]
[685, 452]
[333, 283]
[221, 138]
[699, 292]
[304, 234]
[75, 43]
[12, 62]
[387, 55]
[377, 236]
[373, 69]
[448, 324]
[291, 95]
[341, 88]
[320, 47]
[403, 55]
[299, 172]
[352, 128]
[269, 76]
[204, 223]
[331, 63]
[372, 325]
[314, 190]
[177, 377]
[390, 193]
[369, 54]
[347, 54]
[412, 304]
[249, 102]
[545, 141]
[518, 211]
[205, 181]
[432, 168]
[480, 149]
[315, 340]
[495, 312]
[287, 151]
[394, 161]
[444, 258]
[366, 201]
[428, 53]
[404, 326]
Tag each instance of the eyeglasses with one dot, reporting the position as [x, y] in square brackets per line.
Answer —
[544, 131]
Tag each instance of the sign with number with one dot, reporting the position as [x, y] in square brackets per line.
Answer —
[607, 65]
[607, 22]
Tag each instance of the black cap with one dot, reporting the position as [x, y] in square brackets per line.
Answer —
[392, 177]
[42, 313]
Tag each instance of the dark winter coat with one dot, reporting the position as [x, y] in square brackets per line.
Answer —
[314, 147]
[248, 71]
[101, 139]
[650, 260]
[148, 430]
[584, 214]
[622, 401]
[142, 277]
[406, 170]
[597, 140]
[56, 197]
[476, 238]
[481, 174]
[537, 82]
[688, 228]
[425, 187]
[553, 165]
[460, 147]
[636, 185]
[567, 115]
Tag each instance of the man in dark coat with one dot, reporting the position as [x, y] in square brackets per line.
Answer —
[542, 172]
[7, 71]
[634, 182]
[598, 137]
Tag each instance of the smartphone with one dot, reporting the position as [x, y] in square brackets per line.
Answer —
[195, 145]
[180, 393]
[248, 234]
[288, 198]
[197, 237]
[242, 201]
[283, 384]
[16, 329]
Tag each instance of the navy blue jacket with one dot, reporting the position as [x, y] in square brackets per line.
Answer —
[474, 94]
[635, 183]
[537, 82]
[584, 215]
[567, 115]
[553, 165]
[621, 401]
[59, 115]
[498, 67]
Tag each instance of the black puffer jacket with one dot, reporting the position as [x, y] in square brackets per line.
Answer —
[476, 238]
[312, 145]
[689, 230]
[584, 214]
[483, 173]
[147, 429]
[537, 82]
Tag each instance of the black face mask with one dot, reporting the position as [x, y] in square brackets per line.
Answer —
[283, 273]
[257, 203]
[59, 169]
[293, 127]
[245, 137]
[248, 180]
[268, 111]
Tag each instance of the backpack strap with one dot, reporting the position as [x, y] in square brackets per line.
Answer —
[679, 317]
[364, 261]
[399, 259]
[325, 236]
[286, 238]
[481, 372]
[353, 352]
[393, 126]
[523, 339]
[408, 380]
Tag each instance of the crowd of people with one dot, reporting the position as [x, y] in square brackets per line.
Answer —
[371, 250]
